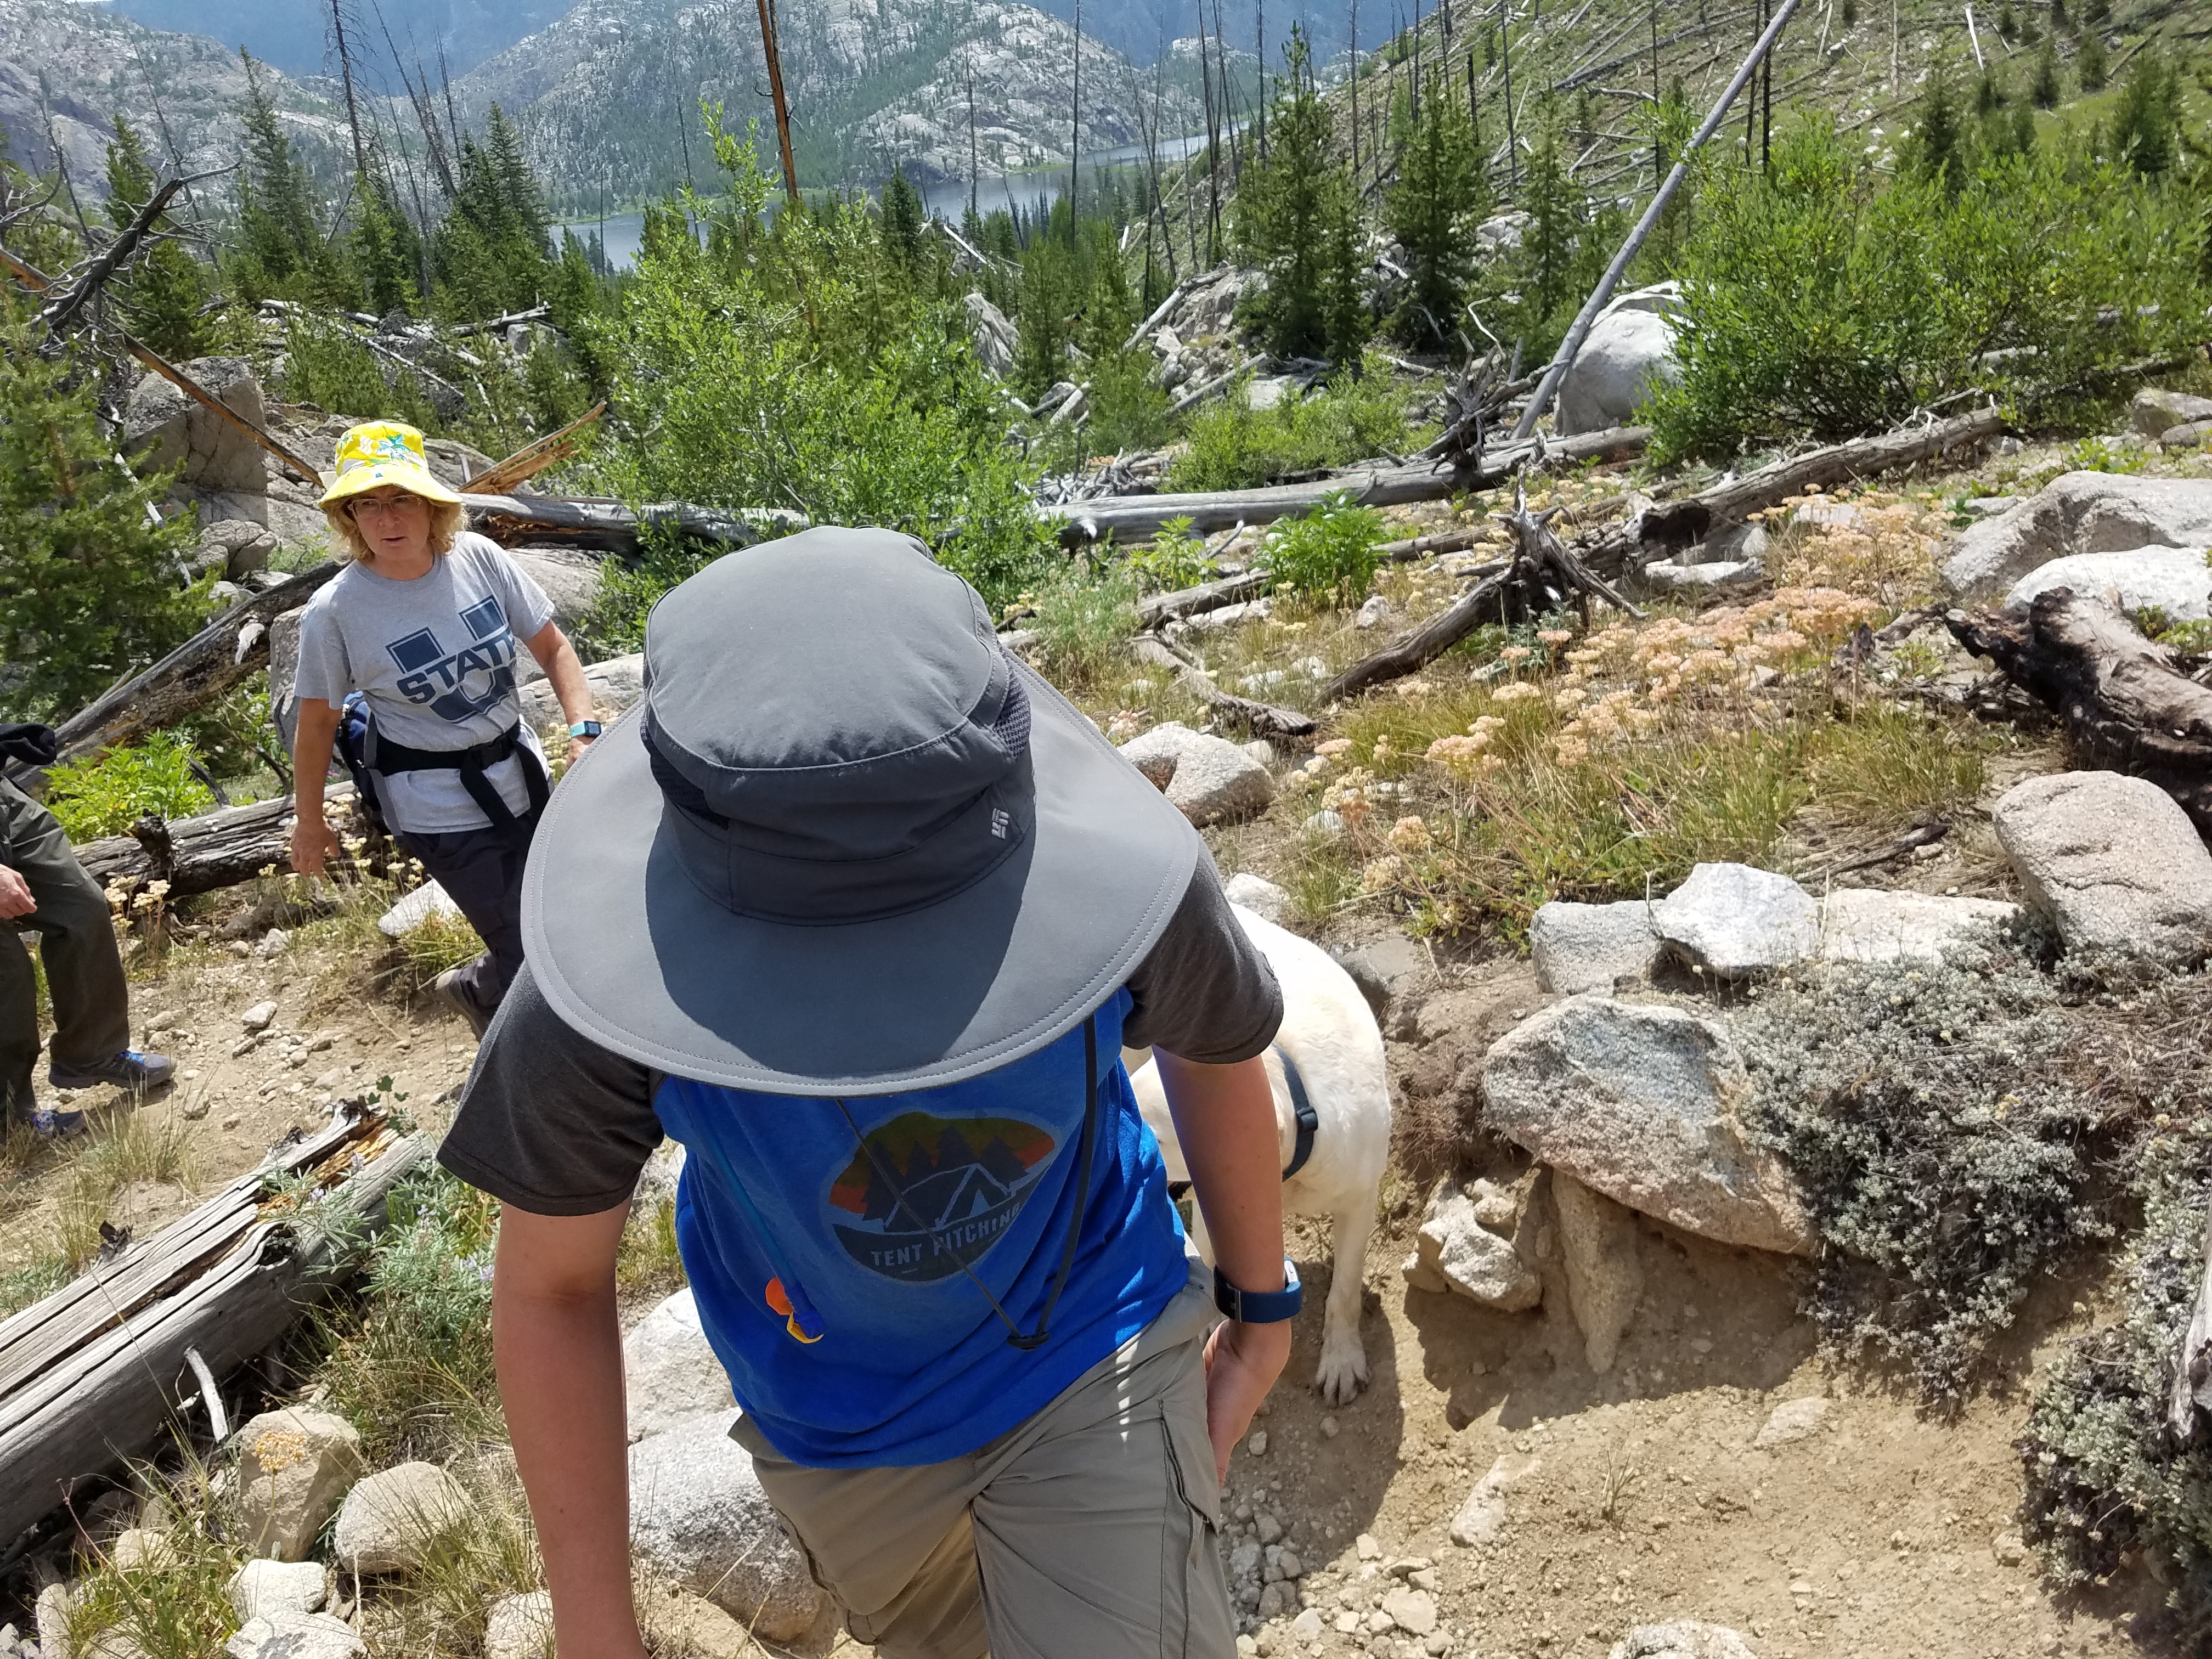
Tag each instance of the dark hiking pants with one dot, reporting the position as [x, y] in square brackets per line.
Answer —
[76, 943]
[481, 870]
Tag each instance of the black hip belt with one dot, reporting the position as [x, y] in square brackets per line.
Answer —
[1302, 1111]
[384, 757]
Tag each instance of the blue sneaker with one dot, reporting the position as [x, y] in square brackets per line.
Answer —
[49, 1125]
[128, 1070]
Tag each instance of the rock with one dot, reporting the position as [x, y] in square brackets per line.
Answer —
[697, 1512]
[137, 1550]
[163, 428]
[571, 580]
[296, 1635]
[284, 670]
[1323, 822]
[519, 1627]
[1630, 347]
[51, 1616]
[1308, 1626]
[1721, 572]
[1453, 1250]
[1373, 611]
[1731, 542]
[2080, 513]
[1412, 1610]
[1734, 920]
[1870, 924]
[1591, 947]
[1792, 1421]
[1259, 895]
[2009, 1549]
[2154, 412]
[271, 1586]
[1367, 1547]
[2191, 436]
[996, 338]
[1256, 1444]
[615, 684]
[1642, 1104]
[2174, 579]
[1500, 233]
[273, 944]
[1266, 394]
[237, 547]
[670, 1374]
[691, 1625]
[1261, 750]
[257, 1017]
[1482, 1518]
[1605, 1274]
[293, 1466]
[657, 1181]
[1209, 778]
[1683, 1638]
[1388, 970]
[392, 1515]
[2113, 860]
[417, 907]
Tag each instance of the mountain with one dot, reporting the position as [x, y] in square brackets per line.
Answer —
[66, 69]
[607, 97]
[295, 34]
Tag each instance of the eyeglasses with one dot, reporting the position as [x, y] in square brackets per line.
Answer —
[404, 501]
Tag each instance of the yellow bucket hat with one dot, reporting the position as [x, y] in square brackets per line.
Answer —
[379, 453]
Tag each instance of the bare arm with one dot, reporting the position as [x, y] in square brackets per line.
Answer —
[1225, 1119]
[566, 670]
[311, 840]
[559, 1354]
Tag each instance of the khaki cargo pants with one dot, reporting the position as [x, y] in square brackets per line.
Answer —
[1086, 1533]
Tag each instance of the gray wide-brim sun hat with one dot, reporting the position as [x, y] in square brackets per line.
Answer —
[847, 844]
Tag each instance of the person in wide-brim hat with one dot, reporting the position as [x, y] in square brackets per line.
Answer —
[862, 912]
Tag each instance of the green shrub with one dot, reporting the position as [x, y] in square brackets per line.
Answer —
[1330, 555]
[326, 364]
[1824, 298]
[1175, 558]
[106, 796]
[1943, 1146]
[1235, 446]
[1083, 624]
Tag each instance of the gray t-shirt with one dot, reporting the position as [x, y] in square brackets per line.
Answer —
[435, 658]
[554, 1124]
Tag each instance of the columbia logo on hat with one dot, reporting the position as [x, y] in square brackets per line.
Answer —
[999, 821]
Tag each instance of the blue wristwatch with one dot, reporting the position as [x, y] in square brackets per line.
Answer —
[1259, 1307]
[585, 729]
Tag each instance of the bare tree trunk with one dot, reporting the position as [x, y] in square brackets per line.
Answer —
[345, 74]
[1075, 125]
[775, 96]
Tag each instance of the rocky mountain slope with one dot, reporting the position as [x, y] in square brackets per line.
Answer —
[872, 84]
[65, 70]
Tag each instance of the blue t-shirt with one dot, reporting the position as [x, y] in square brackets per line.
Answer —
[911, 1364]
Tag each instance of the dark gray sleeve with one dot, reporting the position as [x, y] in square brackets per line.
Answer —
[1205, 992]
[550, 1121]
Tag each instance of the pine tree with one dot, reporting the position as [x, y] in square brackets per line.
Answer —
[1549, 239]
[280, 251]
[2043, 89]
[1851, 14]
[388, 251]
[2090, 63]
[1939, 143]
[1344, 300]
[522, 203]
[2146, 126]
[161, 296]
[89, 589]
[2058, 18]
[491, 256]
[1439, 196]
[1285, 211]
[2008, 21]
[1989, 92]
[2023, 130]
[903, 218]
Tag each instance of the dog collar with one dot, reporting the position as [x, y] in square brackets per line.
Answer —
[1259, 1307]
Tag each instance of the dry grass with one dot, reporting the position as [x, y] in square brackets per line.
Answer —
[176, 1606]
[648, 1265]
[127, 1145]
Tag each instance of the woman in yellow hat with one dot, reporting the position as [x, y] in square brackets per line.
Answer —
[407, 660]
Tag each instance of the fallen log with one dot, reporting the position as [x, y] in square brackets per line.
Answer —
[201, 855]
[2125, 706]
[610, 526]
[220, 656]
[2189, 1406]
[95, 1373]
[1419, 547]
[1755, 492]
[1542, 576]
[1159, 608]
[1264, 719]
[533, 458]
[1131, 518]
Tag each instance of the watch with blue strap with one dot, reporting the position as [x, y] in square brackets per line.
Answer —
[585, 729]
[1258, 1307]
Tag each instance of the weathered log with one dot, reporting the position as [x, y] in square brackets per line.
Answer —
[1542, 576]
[2189, 1406]
[1131, 517]
[1419, 547]
[217, 849]
[608, 526]
[220, 656]
[1264, 719]
[1755, 492]
[2124, 704]
[533, 458]
[1159, 608]
[94, 1373]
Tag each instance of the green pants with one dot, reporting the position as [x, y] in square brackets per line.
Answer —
[76, 942]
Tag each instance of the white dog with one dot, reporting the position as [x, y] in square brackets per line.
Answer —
[1332, 1039]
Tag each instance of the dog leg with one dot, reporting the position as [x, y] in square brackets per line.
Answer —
[1343, 1370]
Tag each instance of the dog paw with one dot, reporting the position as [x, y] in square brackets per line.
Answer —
[1342, 1373]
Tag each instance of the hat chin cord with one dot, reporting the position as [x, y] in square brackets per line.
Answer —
[1016, 1338]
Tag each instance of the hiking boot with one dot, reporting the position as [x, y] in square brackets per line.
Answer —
[458, 987]
[129, 1070]
[48, 1124]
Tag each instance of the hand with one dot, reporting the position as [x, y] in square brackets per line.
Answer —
[577, 745]
[311, 844]
[15, 899]
[1242, 1363]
